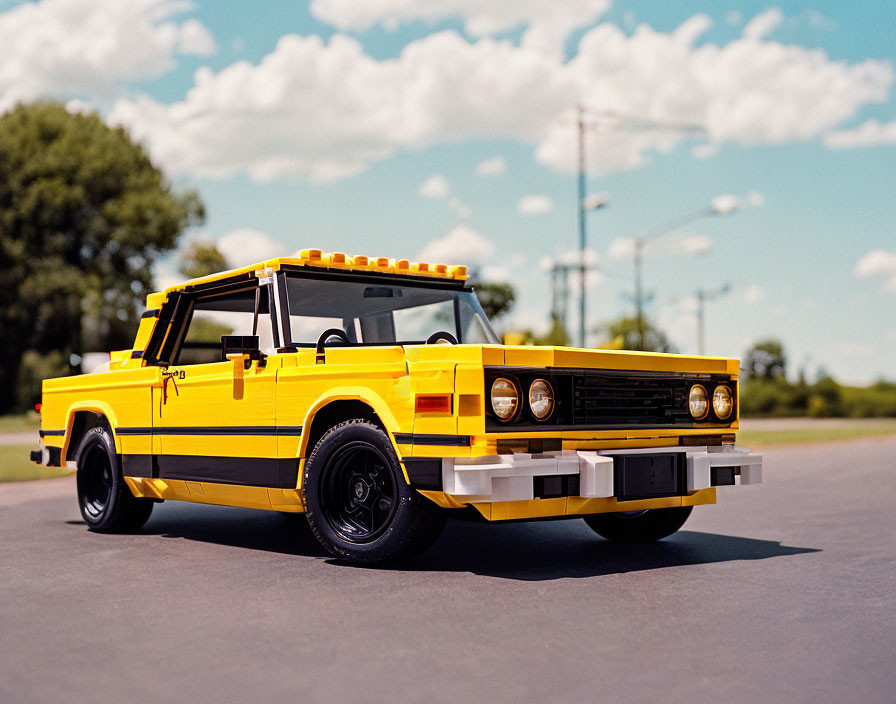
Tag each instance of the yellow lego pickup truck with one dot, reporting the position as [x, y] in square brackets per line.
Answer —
[373, 395]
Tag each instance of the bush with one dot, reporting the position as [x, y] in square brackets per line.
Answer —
[824, 399]
[768, 397]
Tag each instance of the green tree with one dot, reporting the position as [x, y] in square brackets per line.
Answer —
[765, 360]
[83, 216]
[627, 331]
[202, 259]
[496, 299]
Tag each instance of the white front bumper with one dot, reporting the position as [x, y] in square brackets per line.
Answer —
[510, 477]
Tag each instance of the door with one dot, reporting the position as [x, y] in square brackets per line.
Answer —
[214, 419]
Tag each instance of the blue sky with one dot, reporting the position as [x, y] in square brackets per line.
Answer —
[328, 142]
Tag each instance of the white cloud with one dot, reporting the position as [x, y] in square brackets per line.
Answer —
[248, 245]
[195, 38]
[749, 91]
[355, 110]
[535, 204]
[462, 245]
[547, 24]
[754, 294]
[763, 24]
[85, 48]
[726, 203]
[495, 166]
[496, 274]
[436, 186]
[878, 262]
[870, 133]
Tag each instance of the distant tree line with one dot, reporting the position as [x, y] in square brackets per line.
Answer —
[766, 391]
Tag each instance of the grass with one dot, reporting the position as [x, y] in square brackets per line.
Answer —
[16, 467]
[20, 422]
[808, 434]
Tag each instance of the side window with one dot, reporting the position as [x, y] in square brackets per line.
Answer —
[213, 317]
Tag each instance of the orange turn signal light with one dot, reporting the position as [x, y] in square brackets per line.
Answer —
[432, 403]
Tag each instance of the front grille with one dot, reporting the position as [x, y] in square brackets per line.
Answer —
[607, 399]
[599, 399]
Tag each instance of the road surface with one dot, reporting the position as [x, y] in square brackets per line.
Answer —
[782, 592]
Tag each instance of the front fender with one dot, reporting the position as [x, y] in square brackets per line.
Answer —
[351, 393]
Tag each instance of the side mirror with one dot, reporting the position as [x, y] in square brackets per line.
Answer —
[241, 347]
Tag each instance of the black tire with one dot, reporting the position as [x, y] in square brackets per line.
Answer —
[639, 526]
[357, 501]
[107, 504]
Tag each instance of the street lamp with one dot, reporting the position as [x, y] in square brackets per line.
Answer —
[720, 205]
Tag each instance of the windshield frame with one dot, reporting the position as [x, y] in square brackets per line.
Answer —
[448, 285]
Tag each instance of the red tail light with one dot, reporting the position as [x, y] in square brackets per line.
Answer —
[432, 403]
[38, 406]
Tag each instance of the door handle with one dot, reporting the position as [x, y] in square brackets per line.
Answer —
[166, 377]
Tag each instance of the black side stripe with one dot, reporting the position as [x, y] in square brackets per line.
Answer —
[422, 439]
[136, 354]
[47, 433]
[268, 472]
[286, 430]
[151, 313]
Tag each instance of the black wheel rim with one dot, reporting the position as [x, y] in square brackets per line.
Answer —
[358, 495]
[96, 481]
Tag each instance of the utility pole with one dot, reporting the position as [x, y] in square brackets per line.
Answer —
[582, 239]
[560, 292]
[639, 294]
[702, 297]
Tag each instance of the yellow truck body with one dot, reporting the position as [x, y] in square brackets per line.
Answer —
[191, 422]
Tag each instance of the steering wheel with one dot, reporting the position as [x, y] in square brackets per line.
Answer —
[441, 337]
[329, 334]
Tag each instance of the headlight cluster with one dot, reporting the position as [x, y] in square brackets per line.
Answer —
[505, 399]
[699, 402]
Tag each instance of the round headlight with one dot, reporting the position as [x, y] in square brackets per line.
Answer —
[698, 402]
[505, 398]
[721, 402]
[541, 399]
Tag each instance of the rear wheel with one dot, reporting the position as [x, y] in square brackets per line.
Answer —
[105, 501]
[639, 526]
[357, 501]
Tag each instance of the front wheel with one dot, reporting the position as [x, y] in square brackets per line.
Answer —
[639, 526]
[105, 501]
[357, 501]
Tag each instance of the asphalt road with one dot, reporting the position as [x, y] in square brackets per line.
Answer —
[782, 592]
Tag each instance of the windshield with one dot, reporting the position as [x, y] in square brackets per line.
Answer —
[378, 313]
